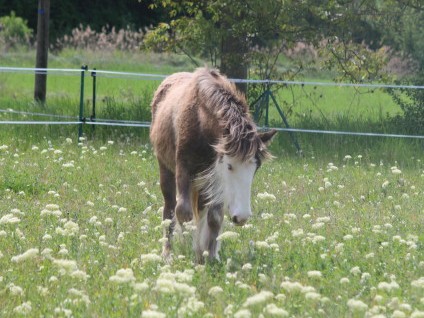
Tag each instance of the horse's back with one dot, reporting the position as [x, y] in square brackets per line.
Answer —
[167, 88]
[166, 104]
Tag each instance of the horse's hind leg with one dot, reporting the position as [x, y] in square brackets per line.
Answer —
[168, 187]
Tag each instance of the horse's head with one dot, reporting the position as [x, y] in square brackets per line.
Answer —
[233, 177]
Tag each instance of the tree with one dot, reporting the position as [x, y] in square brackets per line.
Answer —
[236, 34]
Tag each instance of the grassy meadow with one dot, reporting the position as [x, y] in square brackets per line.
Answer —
[335, 233]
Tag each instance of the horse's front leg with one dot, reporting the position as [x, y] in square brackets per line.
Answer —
[215, 219]
[183, 209]
[209, 228]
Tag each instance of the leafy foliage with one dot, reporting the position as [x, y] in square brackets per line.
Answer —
[411, 101]
[269, 27]
[14, 31]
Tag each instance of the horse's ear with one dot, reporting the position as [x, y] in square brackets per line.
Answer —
[267, 136]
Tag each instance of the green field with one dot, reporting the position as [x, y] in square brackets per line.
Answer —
[335, 233]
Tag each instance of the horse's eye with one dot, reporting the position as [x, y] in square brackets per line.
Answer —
[230, 167]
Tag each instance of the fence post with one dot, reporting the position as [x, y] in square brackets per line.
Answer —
[93, 111]
[81, 110]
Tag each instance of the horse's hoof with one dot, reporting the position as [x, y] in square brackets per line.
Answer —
[183, 214]
[166, 255]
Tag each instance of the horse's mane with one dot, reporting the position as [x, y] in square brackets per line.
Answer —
[221, 97]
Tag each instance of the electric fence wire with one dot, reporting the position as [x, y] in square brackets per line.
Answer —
[128, 75]
[131, 75]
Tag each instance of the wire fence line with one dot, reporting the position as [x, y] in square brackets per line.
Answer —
[159, 77]
[148, 76]
[147, 125]
[18, 112]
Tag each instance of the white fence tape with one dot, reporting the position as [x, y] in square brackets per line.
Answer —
[146, 76]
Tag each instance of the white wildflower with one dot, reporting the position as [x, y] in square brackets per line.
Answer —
[396, 170]
[369, 255]
[266, 196]
[323, 219]
[122, 276]
[388, 287]
[68, 164]
[191, 307]
[23, 309]
[140, 287]
[417, 314]
[79, 274]
[398, 314]
[318, 225]
[29, 254]
[15, 290]
[348, 237]
[262, 245]
[47, 253]
[228, 235]
[259, 298]
[312, 296]
[419, 283]
[243, 313]
[67, 266]
[274, 311]
[215, 291]
[150, 258]
[152, 314]
[165, 286]
[51, 209]
[82, 297]
[292, 287]
[355, 270]
[9, 219]
[297, 233]
[356, 305]
[314, 274]
[184, 289]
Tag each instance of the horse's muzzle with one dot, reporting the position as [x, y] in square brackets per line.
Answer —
[238, 221]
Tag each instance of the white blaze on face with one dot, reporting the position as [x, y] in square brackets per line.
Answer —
[237, 178]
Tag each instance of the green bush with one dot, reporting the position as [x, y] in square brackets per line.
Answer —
[411, 101]
[14, 31]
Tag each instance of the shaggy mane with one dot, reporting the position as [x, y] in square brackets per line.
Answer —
[240, 138]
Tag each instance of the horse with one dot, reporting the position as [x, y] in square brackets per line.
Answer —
[208, 149]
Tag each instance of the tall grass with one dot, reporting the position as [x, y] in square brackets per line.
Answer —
[80, 232]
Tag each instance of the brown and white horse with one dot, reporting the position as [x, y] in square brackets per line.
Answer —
[208, 149]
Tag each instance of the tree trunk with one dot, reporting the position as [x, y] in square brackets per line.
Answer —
[42, 49]
[233, 59]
